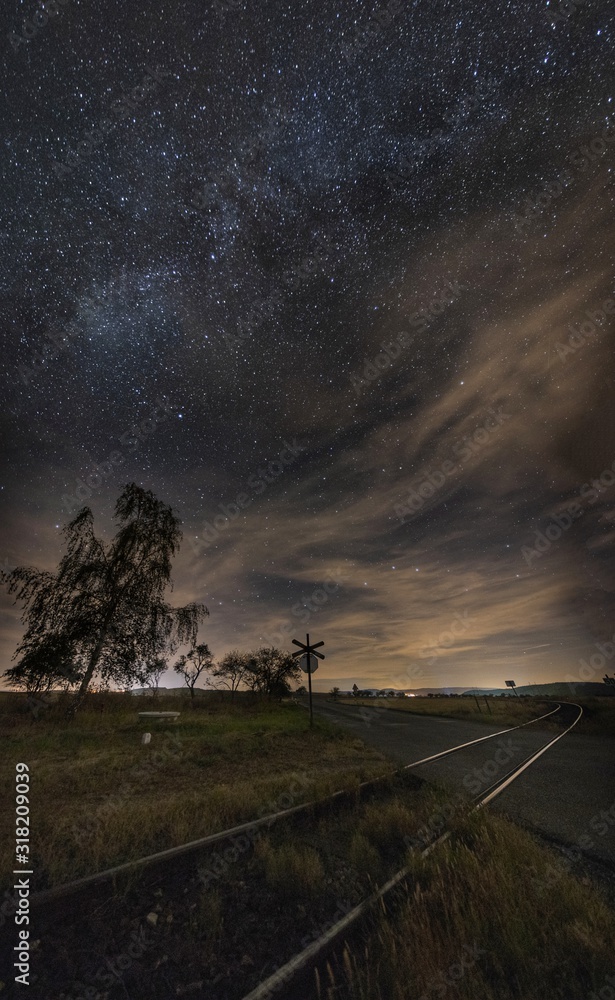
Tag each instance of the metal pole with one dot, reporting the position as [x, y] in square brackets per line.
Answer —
[309, 669]
[488, 705]
[478, 704]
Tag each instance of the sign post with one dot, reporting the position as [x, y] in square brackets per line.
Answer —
[511, 684]
[307, 651]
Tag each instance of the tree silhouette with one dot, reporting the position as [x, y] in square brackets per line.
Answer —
[192, 665]
[270, 670]
[334, 693]
[102, 614]
[232, 670]
[150, 673]
[49, 663]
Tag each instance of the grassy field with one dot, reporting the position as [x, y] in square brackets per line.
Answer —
[100, 797]
[486, 915]
[490, 913]
[598, 717]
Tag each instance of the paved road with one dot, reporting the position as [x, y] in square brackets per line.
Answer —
[561, 795]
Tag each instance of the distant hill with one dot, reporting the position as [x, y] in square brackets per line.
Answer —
[421, 692]
[557, 690]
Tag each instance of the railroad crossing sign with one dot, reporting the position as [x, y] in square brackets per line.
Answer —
[306, 652]
[308, 668]
[307, 649]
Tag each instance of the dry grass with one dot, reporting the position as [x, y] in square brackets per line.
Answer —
[598, 713]
[100, 797]
[598, 716]
[386, 824]
[478, 921]
[504, 711]
[293, 869]
[364, 856]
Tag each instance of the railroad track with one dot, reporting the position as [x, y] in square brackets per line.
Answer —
[86, 893]
[72, 891]
[292, 973]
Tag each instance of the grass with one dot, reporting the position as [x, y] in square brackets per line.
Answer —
[478, 921]
[481, 917]
[501, 711]
[598, 716]
[100, 797]
[598, 713]
[292, 869]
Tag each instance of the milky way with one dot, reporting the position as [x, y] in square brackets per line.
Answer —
[330, 280]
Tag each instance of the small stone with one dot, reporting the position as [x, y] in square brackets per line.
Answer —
[152, 918]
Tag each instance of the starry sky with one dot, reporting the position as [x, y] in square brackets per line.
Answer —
[288, 264]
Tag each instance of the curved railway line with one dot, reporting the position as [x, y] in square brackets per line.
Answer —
[82, 896]
[71, 890]
[285, 978]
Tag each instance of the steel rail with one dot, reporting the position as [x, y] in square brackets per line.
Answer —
[67, 889]
[300, 963]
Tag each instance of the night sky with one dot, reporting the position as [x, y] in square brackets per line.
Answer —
[213, 217]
